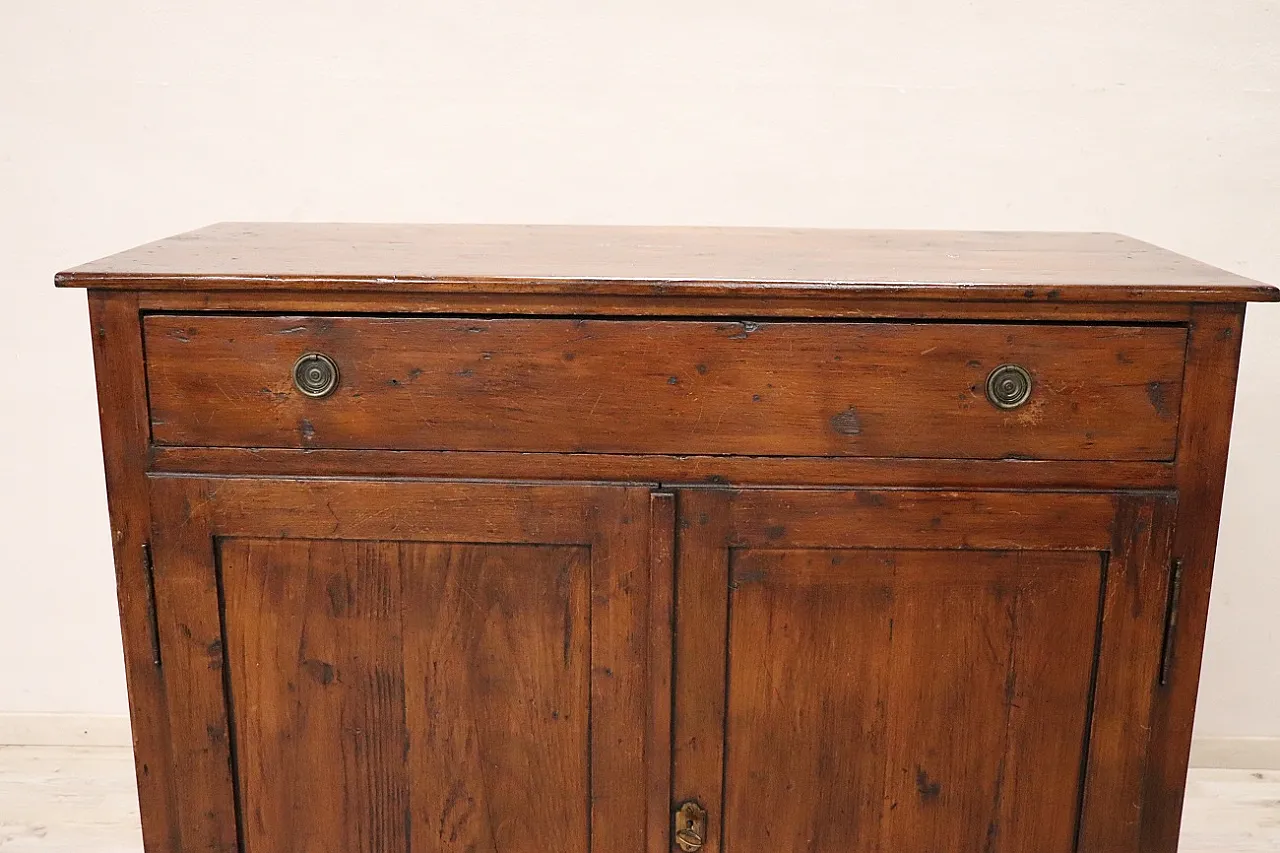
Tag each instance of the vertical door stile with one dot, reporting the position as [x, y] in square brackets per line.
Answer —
[662, 543]
[703, 533]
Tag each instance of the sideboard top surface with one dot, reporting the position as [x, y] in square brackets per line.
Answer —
[668, 261]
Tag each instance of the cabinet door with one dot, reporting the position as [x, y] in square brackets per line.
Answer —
[865, 671]
[391, 667]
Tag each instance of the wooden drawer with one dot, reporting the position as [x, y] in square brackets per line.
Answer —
[667, 387]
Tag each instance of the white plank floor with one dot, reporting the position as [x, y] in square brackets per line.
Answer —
[81, 800]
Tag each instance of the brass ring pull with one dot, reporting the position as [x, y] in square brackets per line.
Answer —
[691, 827]
[1009, 386]
[315, 374]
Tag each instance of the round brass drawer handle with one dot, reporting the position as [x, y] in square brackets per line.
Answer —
[315, 374]
[1008, 386]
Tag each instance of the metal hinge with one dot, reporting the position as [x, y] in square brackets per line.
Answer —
[1171, 620]
[148, 572]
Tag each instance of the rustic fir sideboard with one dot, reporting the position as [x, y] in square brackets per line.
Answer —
[626, 540]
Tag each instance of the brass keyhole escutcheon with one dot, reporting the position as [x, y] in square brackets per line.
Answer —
[691, 827]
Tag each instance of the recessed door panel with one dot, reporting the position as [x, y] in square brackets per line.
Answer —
[377, 667]
[442, 689]
[893, 700]
[882, 670]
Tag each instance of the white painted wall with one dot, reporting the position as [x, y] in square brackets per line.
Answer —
[125, 121]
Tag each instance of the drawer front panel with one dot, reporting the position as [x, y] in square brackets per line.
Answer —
[669, 387]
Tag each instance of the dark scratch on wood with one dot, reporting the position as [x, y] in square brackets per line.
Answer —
[847, 422]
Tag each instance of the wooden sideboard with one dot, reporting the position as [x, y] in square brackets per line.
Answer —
[626, 540]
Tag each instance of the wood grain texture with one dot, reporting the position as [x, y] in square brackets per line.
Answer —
[907, 700]
[771, 389]
[382, 509]
[703, 528]
[620, 656]
[1213, 358]
[673, 470]
[192, 641]
[553, 305]
[662, 540]
[498, 643]
[659, 261]
[410, 696]
[1069, 675]
[899, 518]
[317, 689]
[117, 353]
[1133, 617]
[402, 669]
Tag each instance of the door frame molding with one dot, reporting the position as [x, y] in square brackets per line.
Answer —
[1133, 529]
[190, 514]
